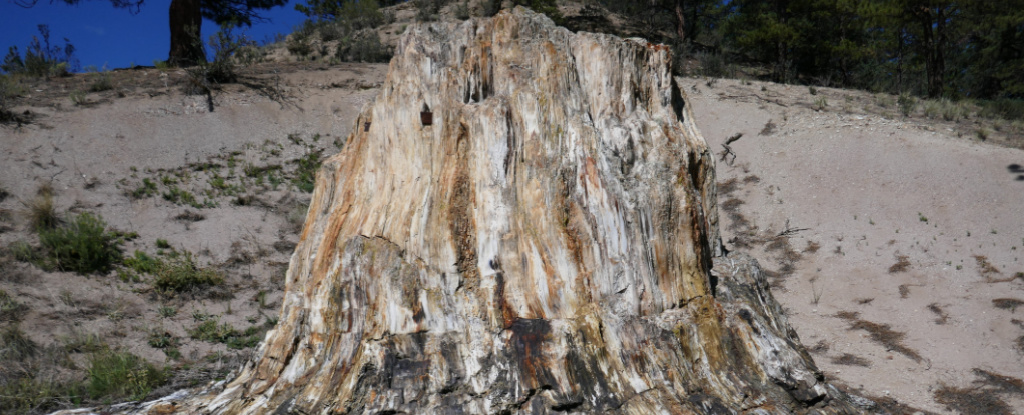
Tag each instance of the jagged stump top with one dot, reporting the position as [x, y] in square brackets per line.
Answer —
[527, 225]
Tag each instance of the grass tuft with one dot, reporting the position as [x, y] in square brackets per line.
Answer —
[122, 375]
[83, 245]
[181, 274]
[1007, 304]
[901, 265]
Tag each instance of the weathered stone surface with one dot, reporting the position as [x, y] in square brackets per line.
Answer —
[545, 245]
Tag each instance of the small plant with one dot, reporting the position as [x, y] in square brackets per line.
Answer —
[812, 90]
[83, 245]
[167, 311]
[982, 134]
[305, 174]
[181, 273]
[11, 310]
[821, 103]
[146, 189]
[901, 265]
[102, 83]
[121, 375]
[907, 104]
[161, 340]
[162, 243]
[921, 217]
[78, 98]
[213, 332]
[42, 214]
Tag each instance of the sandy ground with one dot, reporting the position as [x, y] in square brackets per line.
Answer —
[856, 188]
[95, 155]
[859, 191]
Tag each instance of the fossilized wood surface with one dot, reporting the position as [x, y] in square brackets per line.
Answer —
[546, 245]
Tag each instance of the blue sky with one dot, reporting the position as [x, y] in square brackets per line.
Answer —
[103, 35]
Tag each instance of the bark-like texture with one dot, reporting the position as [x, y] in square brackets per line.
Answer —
[544, 246]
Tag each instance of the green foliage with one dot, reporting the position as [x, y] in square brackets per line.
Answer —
[83, 245]
[142, 263]
[146, 189]
[305, 173]
[210, 331]
[230, 52]
[907, 104]
[180, 273]
[10, 89]
[10, 310]
[363, 47]
[101, 82]
[548, 7]
[351, 15]
[119, 375]
[41, 59]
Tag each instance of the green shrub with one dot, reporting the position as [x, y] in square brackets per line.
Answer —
[24, 252]
[213, 332]
[229, 51]
[305, 174]
[907, 104]
[180, 197]
[118, 375]
[83, 245]
[363, 47]
[142, 263]
[146, 189]
[32, 394]
[10, 89]
[10, 310]
[1005, 108]
[181, 273]
[462, 10]
[102, 83]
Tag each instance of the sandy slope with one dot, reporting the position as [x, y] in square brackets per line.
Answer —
[865, 190]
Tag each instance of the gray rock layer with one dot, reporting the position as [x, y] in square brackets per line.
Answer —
[544, 244]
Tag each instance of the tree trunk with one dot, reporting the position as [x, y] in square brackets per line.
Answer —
[547, 244]
[186, 44]
[680, 22]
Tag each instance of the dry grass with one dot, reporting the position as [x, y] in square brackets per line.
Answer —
[901, 265]
[812, 247]
[880, 333]
[851, 360]
[943, 317]
[972, 400]
[1007, 384]
[728, 186]
[1007, 304]
[41, 211]
[904, 291]
[985, 269]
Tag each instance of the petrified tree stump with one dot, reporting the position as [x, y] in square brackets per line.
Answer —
[543, 244]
